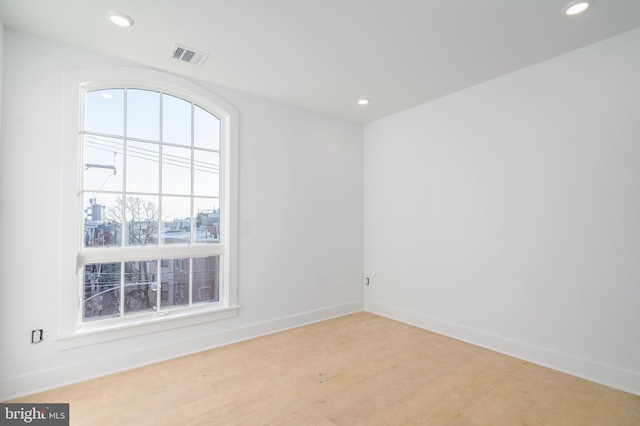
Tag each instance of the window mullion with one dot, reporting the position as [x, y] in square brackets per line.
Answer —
[191, 281]
[158, 284]
[160, 166]
[192, 200]
[122, 292]
[125, 146]
[125, 143]
[193, 155]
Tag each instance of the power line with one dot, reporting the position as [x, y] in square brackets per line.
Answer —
[151, 155]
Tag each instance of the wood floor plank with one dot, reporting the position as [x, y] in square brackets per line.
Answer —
[356, 369]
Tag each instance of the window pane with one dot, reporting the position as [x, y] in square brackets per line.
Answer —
[143, 168]
[174, 282]
[176, 120]
[206, 129]
[176, 170]
[206, 173]
[102, 163]
[143, 114]
[104, 112]
[205, 279]
[102, 220]
[101, 291]
[207, 220]
[142, 217]
[140, 286]
[176, 220]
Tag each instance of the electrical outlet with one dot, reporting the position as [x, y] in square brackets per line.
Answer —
[37, 336]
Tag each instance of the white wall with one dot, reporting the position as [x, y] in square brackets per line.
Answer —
[508, 214]
[300, 225]
[1, 84]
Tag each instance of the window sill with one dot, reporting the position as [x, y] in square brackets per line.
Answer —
[94, 333]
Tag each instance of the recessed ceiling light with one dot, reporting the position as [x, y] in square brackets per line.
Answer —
[120, 19]
[363, 101]
[576, 6]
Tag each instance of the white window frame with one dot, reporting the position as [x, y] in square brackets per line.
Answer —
[72, 331]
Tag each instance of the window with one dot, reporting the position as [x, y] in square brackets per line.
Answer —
[156, 222]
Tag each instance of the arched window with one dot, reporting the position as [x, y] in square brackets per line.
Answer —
[156, 201]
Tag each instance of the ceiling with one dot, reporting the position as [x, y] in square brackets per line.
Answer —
[324, 55]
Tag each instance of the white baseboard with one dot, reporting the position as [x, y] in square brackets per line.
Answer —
[609, 375]
[51, 378]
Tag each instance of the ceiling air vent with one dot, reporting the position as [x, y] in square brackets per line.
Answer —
[186, 54]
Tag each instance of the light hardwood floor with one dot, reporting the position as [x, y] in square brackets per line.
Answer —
[357, 369]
